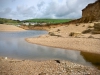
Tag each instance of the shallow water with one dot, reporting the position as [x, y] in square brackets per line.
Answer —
[93, 58]
[13, 45]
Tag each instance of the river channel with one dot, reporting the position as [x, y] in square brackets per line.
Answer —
[13, 45]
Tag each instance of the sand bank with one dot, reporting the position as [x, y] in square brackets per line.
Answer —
[60, 38]
[4, 27]
[82, 44]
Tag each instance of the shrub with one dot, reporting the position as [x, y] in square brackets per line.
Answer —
[90, 26]
[58, 30]
[87, 31]
[97, 26]
[71, 34]
[96, 32]
[1, 22]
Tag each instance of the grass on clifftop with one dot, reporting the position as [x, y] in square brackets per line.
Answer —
[50, 21]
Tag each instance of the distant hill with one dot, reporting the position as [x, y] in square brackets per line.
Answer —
[4, 20]
[50, 21]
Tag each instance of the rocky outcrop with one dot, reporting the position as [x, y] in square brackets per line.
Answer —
[75, 34]
[96, 28]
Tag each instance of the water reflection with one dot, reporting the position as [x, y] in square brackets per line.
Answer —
[13, 45]
[93, 58]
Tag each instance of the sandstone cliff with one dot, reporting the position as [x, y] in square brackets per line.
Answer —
[90, 13]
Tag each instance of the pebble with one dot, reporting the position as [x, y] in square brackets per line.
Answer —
[5, 58]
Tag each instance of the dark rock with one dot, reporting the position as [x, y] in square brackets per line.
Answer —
[42, 73]
[58, 61]
[58, 30]
[83, 26]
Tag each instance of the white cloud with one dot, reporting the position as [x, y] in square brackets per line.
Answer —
[66, 9]
[43, 9]
[5, 13]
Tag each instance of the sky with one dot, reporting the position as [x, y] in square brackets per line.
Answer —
[30, 9]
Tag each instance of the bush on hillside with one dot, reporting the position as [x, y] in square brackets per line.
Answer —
[1, 22]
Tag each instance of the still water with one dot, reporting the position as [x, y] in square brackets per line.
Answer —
[13, 45]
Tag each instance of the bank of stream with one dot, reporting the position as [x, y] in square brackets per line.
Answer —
[13, 45]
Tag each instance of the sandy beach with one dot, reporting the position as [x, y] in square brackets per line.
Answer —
[4, 27]
[81, 44]
[48, 67]
[9, 66]
[59, 37]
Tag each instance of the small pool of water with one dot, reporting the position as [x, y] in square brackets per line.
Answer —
[13, 45]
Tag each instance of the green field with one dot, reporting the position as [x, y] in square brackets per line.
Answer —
[8, 21]
[50, 21]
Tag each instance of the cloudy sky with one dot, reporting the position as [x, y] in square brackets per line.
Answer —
[26, 9]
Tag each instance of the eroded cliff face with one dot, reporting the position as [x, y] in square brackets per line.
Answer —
[91, 12]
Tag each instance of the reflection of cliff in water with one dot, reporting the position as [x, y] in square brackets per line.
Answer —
[93, 58]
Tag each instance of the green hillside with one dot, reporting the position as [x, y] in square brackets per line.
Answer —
[4, 20]
[50, 21]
